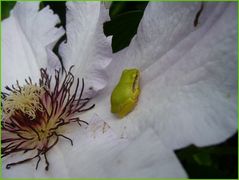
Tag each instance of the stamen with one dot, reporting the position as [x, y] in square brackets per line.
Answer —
[24, 99]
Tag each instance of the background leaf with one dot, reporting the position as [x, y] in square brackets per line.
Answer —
[125, 18]
[220, 161]
[6, 7]
[123, 28]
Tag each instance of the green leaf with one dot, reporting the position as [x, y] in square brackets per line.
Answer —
[125, 18]
[6, 8]
[203, 159]
[219, 161]
[118, 8]
[201, 172]
[123, 28]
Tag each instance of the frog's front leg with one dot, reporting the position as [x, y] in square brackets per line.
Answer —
[127, 107]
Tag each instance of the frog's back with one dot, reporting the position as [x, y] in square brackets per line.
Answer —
[118, 99]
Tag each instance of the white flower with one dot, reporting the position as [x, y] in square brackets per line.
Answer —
[27, 41]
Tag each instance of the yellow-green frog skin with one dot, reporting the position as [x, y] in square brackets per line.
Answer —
[125, 95]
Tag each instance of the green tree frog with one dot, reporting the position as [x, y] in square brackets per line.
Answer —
[125, 95]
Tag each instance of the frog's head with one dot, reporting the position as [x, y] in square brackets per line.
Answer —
[129, 75]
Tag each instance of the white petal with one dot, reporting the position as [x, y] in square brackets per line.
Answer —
[189, 94]
[87, 48]
[27, 35]
[200, 89]
[98, 152]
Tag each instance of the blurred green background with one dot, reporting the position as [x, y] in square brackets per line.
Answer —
[220, 161]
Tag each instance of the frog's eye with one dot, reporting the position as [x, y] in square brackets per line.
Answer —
[136, 82]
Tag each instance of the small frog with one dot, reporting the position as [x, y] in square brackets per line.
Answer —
[125, 95]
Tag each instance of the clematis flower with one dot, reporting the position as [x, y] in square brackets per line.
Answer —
[188, 88]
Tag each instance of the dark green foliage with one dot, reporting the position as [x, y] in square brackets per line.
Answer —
[6, 8]
[219, 161]
[123, 28]
[125, 18]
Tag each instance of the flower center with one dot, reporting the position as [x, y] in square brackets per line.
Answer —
[52, 103]
[25, 99]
